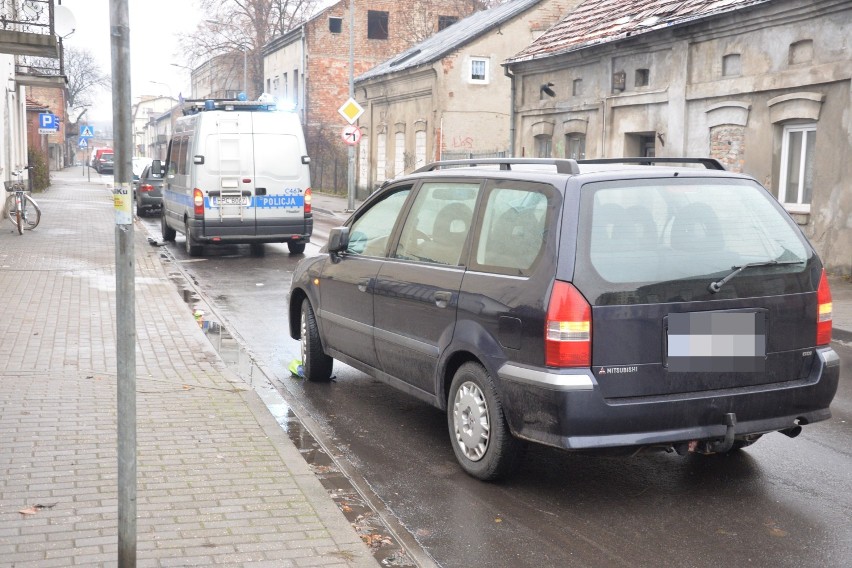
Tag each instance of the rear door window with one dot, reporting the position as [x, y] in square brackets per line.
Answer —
[516, 220]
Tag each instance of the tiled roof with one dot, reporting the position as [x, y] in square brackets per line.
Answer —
[451, 38]
[595, 22]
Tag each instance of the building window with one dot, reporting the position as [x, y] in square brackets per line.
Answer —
[399, 154]
[335, 25]
[268, 85]
[731, 66]
[643, 77]
[575, 146]
[796, 179]
[577, 87]
[446, 21]
[478, 70]
[275, 85]
[543, 146]
[377, 24]
[381, 157]
[419, 148]
[284, 93]
[296, 87]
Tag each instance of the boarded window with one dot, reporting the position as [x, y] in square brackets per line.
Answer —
[731, 65]
[643, 77]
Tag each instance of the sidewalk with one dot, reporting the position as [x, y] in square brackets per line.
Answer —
[219, 482]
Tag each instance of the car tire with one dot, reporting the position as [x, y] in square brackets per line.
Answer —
[316, 364]
[296, 248]
[479, 434]
[192, 248]
[168, 233]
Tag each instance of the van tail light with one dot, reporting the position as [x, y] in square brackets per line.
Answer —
[308, 198]
[198, 202]
[146, 187]
[568, 330]
[823, 311]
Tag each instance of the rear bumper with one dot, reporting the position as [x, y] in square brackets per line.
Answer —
[148, 201]
[245, 231]
[567, 410]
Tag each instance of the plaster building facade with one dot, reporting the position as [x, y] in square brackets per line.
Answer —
[308, 67]
[446, 97]
[144, 112]
[765, 86]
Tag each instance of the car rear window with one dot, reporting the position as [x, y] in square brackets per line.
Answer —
[660, 230]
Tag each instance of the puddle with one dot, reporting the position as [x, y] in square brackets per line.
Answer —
[369, 526]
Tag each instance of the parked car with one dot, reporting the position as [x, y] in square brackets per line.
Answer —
[104, 164]
[601, 306]
[149, 194]
[137, 166]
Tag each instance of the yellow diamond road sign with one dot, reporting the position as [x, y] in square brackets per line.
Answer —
[351, 110]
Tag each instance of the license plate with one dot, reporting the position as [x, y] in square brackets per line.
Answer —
[231, 200]
[717, 342]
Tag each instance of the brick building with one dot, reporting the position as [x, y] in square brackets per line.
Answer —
[308, 67]
[53, 147]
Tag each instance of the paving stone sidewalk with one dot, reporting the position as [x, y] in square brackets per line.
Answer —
[219, 482]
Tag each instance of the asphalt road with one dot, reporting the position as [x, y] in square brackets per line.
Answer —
[781, 502]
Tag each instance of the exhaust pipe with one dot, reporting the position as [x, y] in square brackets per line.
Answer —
[792, 432]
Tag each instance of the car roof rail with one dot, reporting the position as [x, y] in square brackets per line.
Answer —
[563, 166]
[193, 106]
[709, 163]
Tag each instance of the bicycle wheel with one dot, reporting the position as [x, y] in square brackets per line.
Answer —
[16, 213]
[30, 212]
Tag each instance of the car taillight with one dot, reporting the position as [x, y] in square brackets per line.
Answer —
[198, 202]
[823, 311]
[308, 198]
[568, 330]
[146, 187]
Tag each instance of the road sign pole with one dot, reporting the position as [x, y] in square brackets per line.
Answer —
[350, 178]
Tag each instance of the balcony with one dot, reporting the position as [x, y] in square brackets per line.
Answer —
[26, 28]
[39, 71]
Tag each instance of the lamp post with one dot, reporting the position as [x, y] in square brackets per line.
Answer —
[244, 49]
[191, 71]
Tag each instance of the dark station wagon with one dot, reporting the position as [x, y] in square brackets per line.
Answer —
[612, 305]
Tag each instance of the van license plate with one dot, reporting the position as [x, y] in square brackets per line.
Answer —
[232, 200]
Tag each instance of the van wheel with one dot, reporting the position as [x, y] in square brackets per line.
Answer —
[167, 232]
[296, 248]
[315, 362]
[192, 248]
[480, 436]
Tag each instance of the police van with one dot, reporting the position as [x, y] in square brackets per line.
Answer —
[237, 172]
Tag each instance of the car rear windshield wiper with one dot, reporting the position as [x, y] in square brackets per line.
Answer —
[717, 285]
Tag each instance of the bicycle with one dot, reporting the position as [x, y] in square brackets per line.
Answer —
[22, 209]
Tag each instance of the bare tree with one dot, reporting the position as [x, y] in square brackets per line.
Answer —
[85, 78]
[244, 26]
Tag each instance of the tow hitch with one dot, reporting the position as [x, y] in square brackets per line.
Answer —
[727, 442]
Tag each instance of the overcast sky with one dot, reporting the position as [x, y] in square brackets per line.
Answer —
[155, 26]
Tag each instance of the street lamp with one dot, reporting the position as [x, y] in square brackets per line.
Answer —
[191, 71]
[244, 49]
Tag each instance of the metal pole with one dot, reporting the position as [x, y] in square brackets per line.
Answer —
[245, 74]
[350, 179]
[124, 283]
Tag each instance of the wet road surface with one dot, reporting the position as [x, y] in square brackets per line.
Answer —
[781, 502]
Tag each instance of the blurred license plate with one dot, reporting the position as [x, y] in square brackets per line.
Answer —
[717, 342]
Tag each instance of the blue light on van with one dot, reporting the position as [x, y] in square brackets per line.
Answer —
[209, 104]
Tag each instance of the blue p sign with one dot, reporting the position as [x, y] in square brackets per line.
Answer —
[47, 120]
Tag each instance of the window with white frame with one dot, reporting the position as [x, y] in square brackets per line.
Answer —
[796, 179]
[381, 157]
[399, 154]
[543, 146]
[478, 70]
[419, 148]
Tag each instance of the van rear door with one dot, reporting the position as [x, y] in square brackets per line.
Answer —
[280, 177]
[226, 175]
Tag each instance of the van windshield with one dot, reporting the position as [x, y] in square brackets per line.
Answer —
[661, 230]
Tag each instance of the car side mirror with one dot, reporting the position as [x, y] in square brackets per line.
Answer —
[338, 239]
[157, 168]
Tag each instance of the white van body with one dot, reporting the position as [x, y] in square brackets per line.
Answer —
[237, 172]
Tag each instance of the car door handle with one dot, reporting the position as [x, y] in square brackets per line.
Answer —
[442, 299]
[363, 284]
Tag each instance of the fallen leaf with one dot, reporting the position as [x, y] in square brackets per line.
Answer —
[498, 520]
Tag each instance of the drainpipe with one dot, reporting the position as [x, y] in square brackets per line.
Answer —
[511, 77]
[303, 96]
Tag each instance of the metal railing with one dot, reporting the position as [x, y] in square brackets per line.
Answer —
[30, 16]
